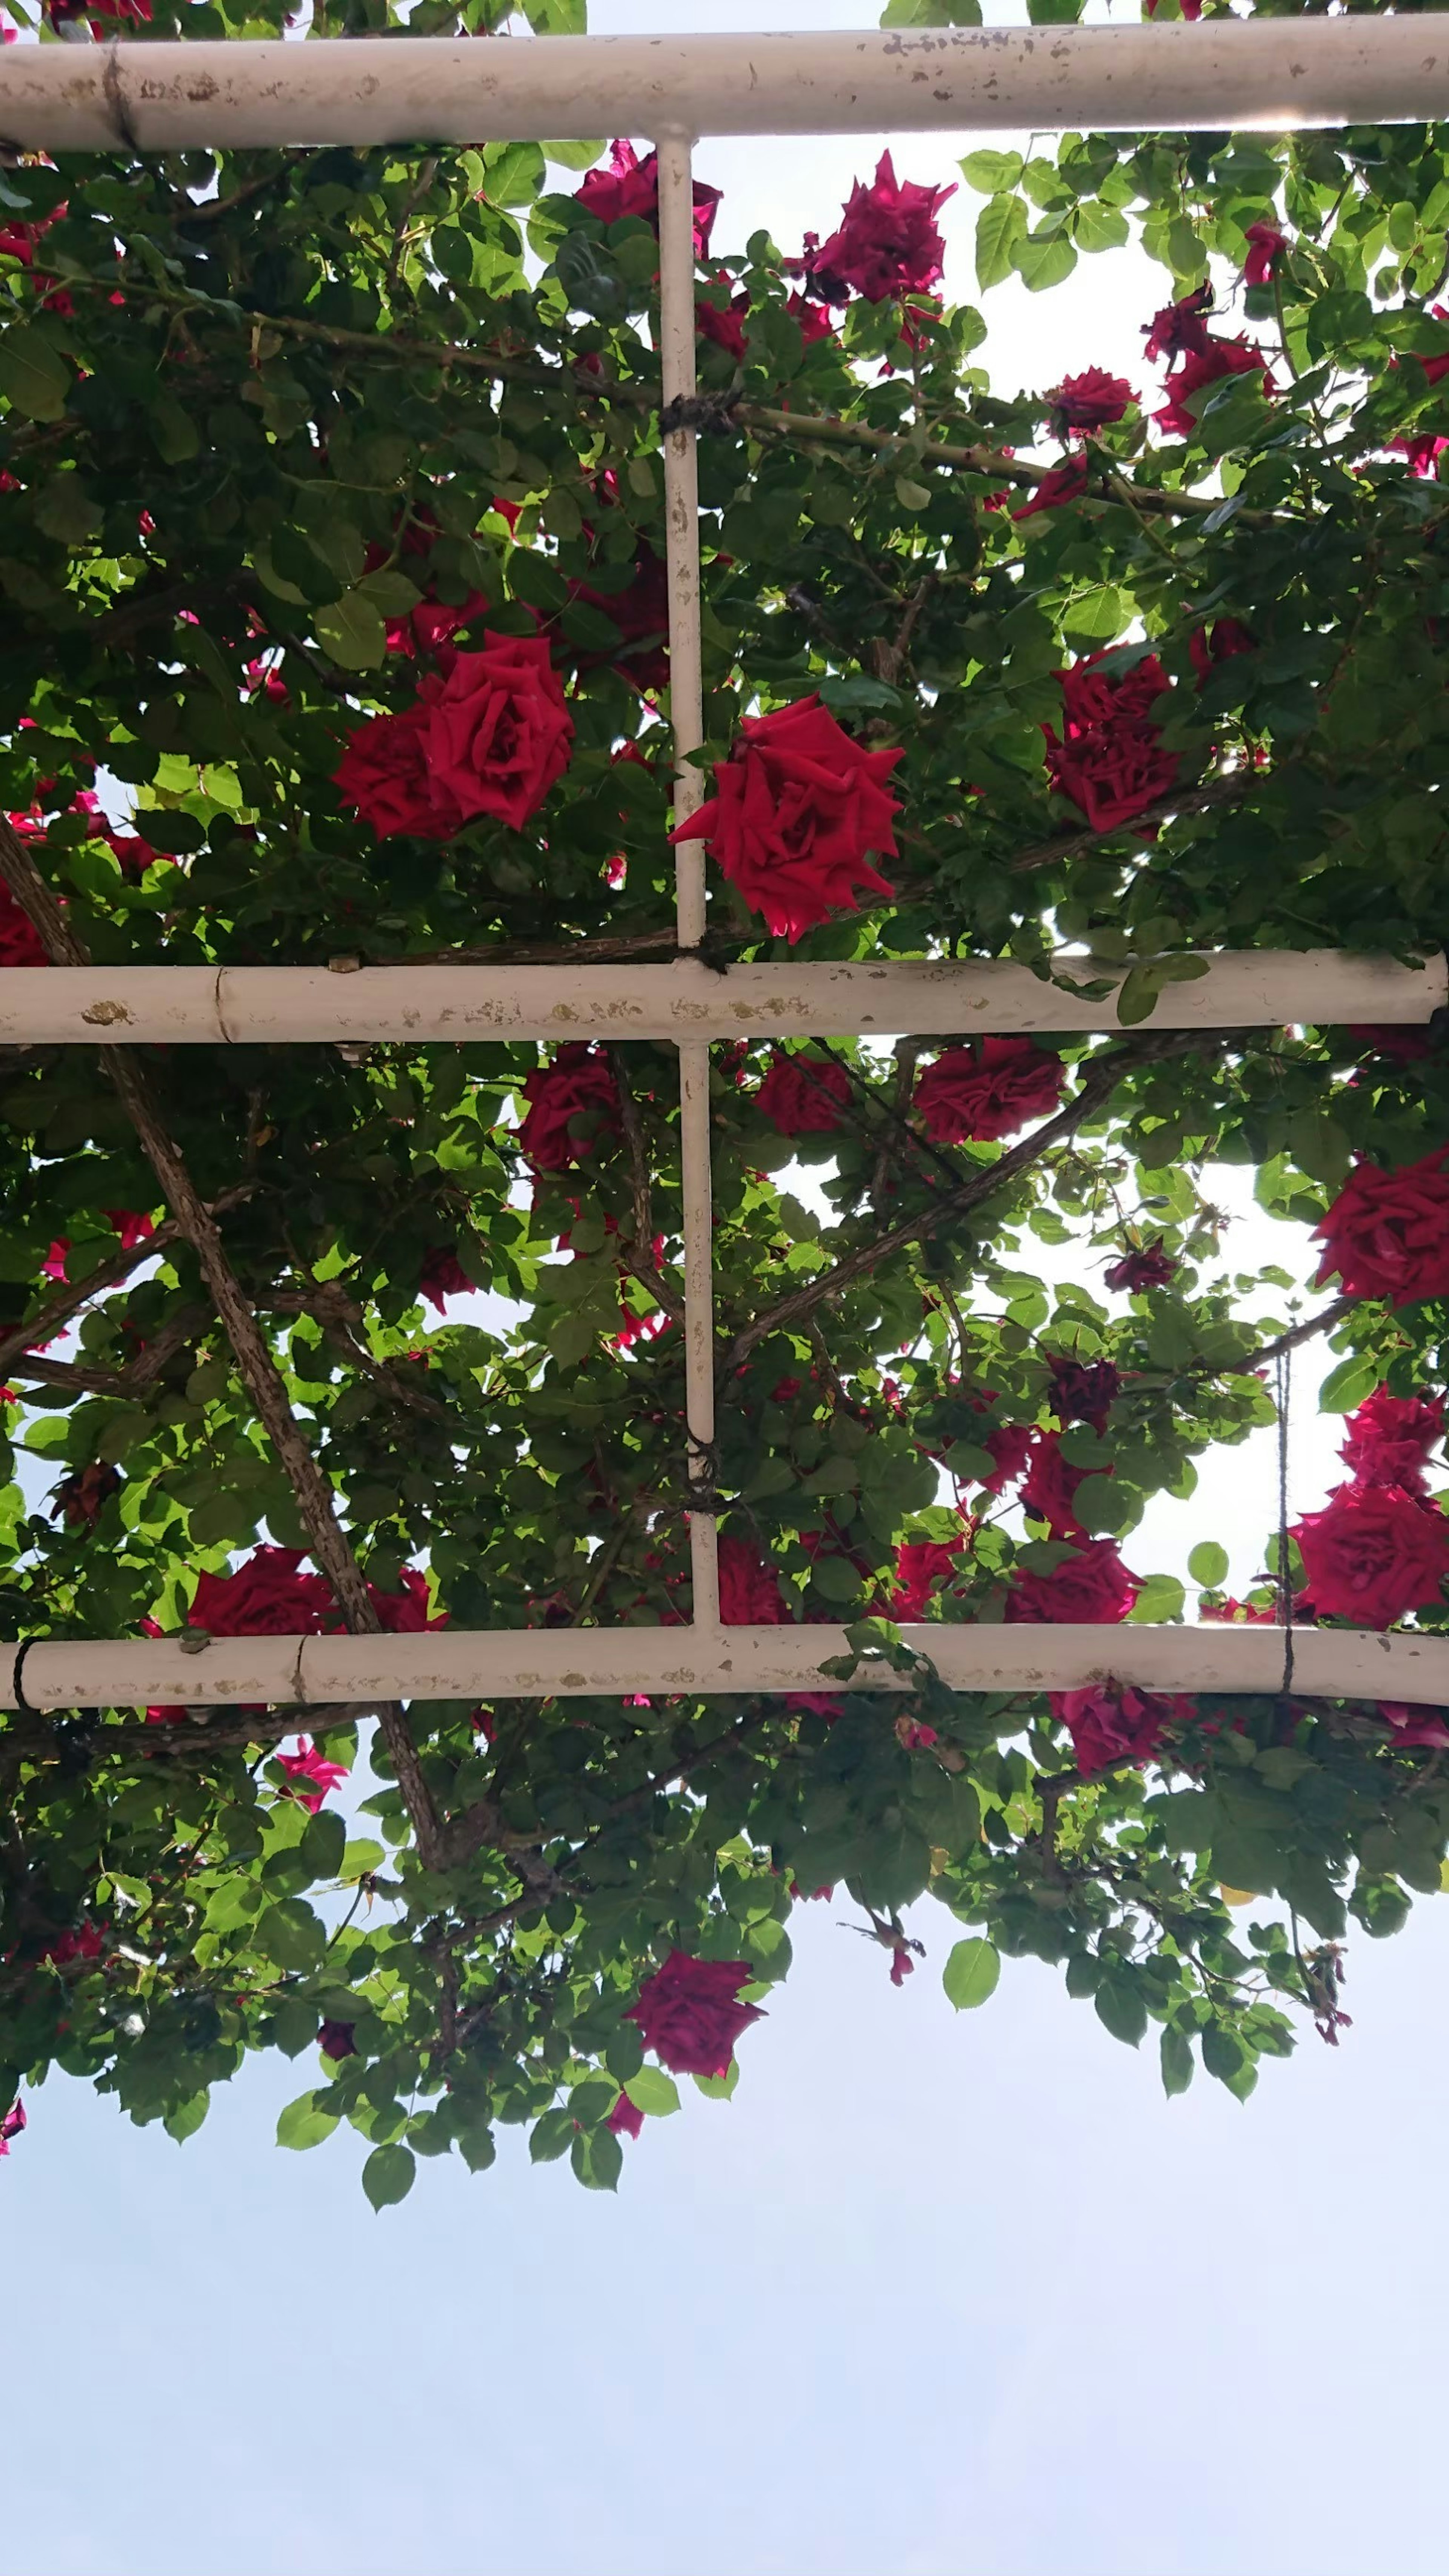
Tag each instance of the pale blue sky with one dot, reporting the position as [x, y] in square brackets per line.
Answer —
[933, 2296]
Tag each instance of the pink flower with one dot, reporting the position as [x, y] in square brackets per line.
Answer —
[626, 2119]
[1267, 248]
[913, 1737]
[53, 1266]
[11, 2126]
[803, 1096]
[749, 1588]
[797, 808]
[689, 2013]
[1109, 1723]
[630, 186]
[1374, 1553]
[887, 242]
[988, 1090]
[1389, 1439]
[307, 1764]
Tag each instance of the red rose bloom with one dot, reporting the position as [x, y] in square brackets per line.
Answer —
[1390, 1437]
[1220, 642]
[1110, 1723]
[641, 613]
[1180, 328]
[630, 186]
[1267, 248]
[130, 1224]
[383, 775]
[988, 1090]
[749, 1589]
[404, 1613]
[689, 2013]
[1092, 400]
[626, 2119]
[796, 808]
[1240, 1614]
[443, 1276]
[1199, 369]
[814, 321]
[1049, 1487]
[802, 1096]
[577, 1085]
[1091, 1588]
[307, 1764]
[723, 323]
[1010, 1447]
[922, 1566]
[1400, 1045]
[84, 1943]
[1110, 759]
[1387, 1233]
[1149, 1267]
[335, 2039]
[498, 732]
[1414, 1725]
[1064, 483]
[1373, 1553]
[266, 1597]
[887, 242]
[1083, 1390]
[20, 941]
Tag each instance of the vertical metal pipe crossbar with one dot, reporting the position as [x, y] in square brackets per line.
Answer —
[681, 504]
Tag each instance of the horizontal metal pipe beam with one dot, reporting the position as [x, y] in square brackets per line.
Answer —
[312, 1005]
[573, 1663]
[1273, 73]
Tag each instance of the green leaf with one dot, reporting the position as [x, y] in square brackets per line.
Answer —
[387, 2176]
[971, 1974]
[653, 2092]
[186, 2119]
[1000, 225]
[1160, 1599]
[351, 629]
[1120, 2006]
[551, 2136]
[303, 2125]
[1177, 2068]
[1208, 1564]
[991, 174]
[598, 2159]
[173, 431]
[1043, 259]
[1347, 1385]
[718, 2088]
[34, 377]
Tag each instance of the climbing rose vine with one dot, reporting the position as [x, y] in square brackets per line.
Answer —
[332, 545]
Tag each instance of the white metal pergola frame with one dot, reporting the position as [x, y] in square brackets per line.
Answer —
[1271, 74]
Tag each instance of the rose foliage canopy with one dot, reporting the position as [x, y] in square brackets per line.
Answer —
[331, 545]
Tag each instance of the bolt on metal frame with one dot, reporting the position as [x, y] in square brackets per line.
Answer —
[1271, 74]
